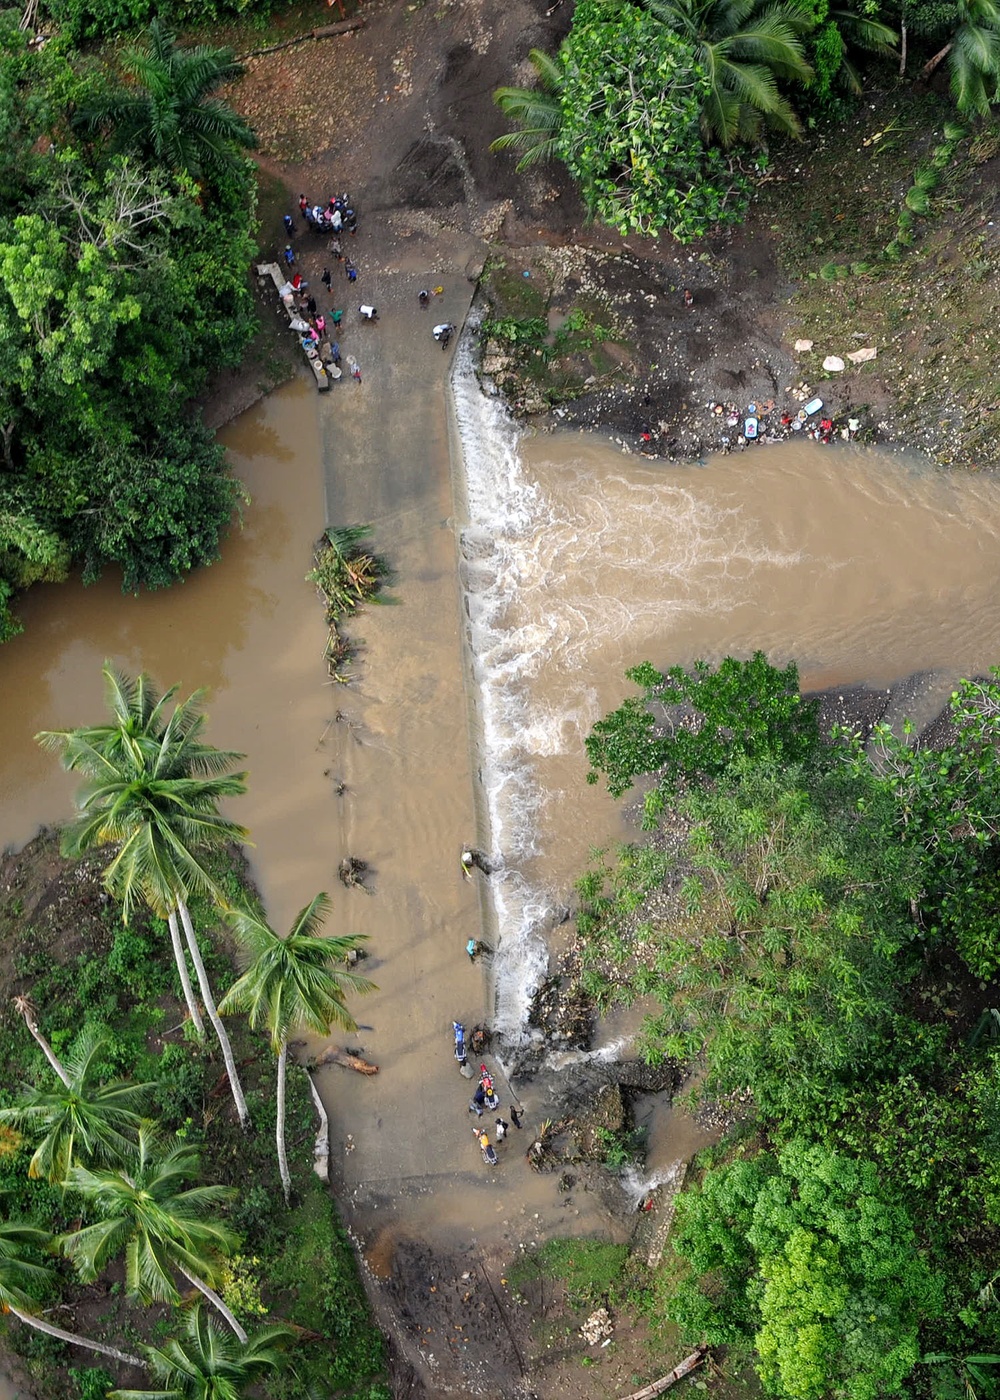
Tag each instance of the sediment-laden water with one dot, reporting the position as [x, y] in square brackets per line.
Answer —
[576, 562]
[579, 561]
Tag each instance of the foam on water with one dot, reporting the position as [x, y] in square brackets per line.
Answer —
[637, 1184]
[549, 575]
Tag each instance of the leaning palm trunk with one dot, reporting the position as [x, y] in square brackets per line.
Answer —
[182, 972]
[215, 1300]
[71, 1337]
[933, 63]
[279, 1131]
[213, 1014]
[24, 1006]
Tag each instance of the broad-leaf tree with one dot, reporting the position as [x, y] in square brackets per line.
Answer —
[164, 1228]
[209, 1364]
[812, 1259]
[152, 788]
[293, 983]
[79, 1118]
[629, 91]
[688, 726]
[771, 934]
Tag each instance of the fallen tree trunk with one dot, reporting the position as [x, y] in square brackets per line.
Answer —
[326, 31]
[685, 1367]
[321, 1151]
[333, 1056]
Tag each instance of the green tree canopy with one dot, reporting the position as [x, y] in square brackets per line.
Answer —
[630, 135]
[152, 790]
[209, 1364]
[770, 936]
[123, 286]
[166, 111]
[743, 47]
[715, 715]
[163, 1227]
[809, 1256]
[294, 983]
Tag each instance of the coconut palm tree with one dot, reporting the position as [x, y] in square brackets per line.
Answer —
[163, 1227]
[27, 1010]
[153, 788]
[537, 111]
[293, 983]
[166, 111]
[80, 1116]
[861, 32]
[19, 1273]
[209, 1364]
[973, 54]
[743, 46]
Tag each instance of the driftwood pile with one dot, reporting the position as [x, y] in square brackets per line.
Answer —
[325, 31]
[689, 1364]
[333, 1055]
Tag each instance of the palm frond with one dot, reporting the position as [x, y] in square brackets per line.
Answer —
[865, 33]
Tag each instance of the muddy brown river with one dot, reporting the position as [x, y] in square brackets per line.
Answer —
[530, 574]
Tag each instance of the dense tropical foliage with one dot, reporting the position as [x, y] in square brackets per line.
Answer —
[813, 920]
[126, 220]
[117, 1153]
[659, 109]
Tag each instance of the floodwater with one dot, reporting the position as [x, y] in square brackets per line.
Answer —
[527, 581]
[580, 562]
[249, 630]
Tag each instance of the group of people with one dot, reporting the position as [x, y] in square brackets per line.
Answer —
[486, 1099]
[316, 329]
[335, 218]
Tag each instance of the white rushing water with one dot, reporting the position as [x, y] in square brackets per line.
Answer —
[549, 570]
[502, 513]
[579, 562]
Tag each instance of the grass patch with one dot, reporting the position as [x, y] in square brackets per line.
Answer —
[591, 1270]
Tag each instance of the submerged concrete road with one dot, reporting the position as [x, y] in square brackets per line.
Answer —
[401, 743]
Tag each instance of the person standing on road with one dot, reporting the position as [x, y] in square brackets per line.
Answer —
[515, 1117]
[326, 279]
[501, 1126]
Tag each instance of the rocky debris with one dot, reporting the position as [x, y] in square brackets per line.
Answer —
[351, 873]
[562, 1011]
[608, 1115]
[598, 1328]
[721, 1115]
